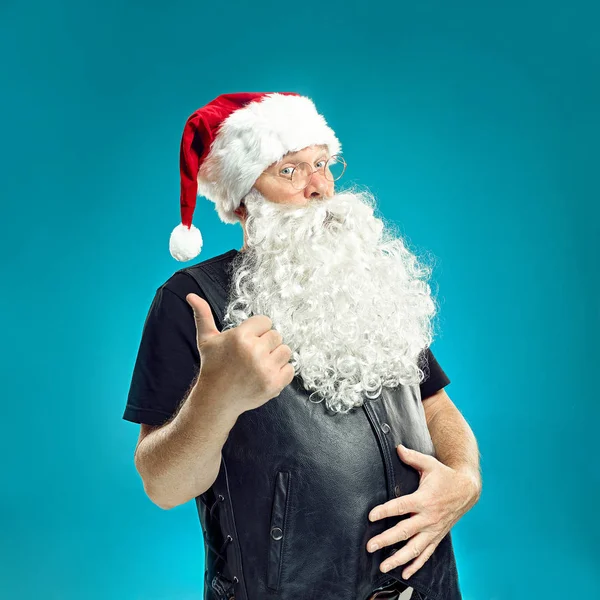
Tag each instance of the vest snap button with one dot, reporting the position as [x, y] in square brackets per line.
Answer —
[276, 533]
[385, 428]
[397, 490]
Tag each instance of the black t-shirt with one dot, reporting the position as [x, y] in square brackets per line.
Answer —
[168, 360]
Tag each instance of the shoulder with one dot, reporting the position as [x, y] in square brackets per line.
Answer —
[189, 279]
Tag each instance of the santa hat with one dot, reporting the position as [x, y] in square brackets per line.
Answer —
[228, 143]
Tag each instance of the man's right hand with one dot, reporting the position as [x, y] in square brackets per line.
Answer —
[247, 365]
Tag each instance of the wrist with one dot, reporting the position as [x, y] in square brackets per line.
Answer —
[207, 399]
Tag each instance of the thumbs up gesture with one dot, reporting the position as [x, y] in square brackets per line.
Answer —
[247, 365]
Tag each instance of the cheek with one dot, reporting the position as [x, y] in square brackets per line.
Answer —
[281, 192]
[288, 195]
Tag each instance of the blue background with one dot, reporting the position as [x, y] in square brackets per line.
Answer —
[477, 128]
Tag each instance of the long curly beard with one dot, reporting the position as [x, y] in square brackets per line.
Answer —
[347, 296]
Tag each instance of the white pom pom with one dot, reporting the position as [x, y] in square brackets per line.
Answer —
[185, 243]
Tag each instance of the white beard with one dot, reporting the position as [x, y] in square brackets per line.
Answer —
[348, 298]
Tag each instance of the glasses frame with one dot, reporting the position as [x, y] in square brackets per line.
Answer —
[290, 180]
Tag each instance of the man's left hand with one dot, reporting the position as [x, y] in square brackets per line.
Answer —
[443, 497]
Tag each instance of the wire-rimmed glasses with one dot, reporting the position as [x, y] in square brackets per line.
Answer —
[302, 173]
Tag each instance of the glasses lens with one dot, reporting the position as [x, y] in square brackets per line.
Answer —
[301, 175]
[335, 167]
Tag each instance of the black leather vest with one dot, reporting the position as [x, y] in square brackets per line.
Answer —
[287, 516]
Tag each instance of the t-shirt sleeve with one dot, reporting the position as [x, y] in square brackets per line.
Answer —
[435, 377]
[167, 362]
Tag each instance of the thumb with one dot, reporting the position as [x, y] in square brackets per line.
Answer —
[205, 323]
[414, 458]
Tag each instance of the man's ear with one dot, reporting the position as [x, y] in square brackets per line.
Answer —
[240, 211]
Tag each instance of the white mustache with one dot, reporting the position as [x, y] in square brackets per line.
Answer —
[329, 217]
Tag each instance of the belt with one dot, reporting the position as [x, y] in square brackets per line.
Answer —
[389, 591]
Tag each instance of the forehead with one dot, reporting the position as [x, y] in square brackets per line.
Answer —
[305, 152]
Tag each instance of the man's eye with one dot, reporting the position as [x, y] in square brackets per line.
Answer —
[289, 171]
[321, 161]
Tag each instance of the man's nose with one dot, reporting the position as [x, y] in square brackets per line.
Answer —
[318, 186]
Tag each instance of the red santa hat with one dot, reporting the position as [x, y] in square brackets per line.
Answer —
[229, 142]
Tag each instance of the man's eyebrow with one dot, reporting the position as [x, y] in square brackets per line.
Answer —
[292, 157]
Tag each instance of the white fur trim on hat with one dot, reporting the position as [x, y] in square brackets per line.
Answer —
[254, 137]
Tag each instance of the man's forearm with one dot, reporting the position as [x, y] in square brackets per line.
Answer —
[454, 441]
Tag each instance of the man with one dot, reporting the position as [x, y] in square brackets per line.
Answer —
[274, 420]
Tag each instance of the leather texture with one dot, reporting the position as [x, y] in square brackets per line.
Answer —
[287, 516]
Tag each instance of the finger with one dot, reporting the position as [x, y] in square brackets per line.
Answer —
[396, 506]
[414, 458]
[287, 374]
[257, 324]
[400, 532]
[272, 339]
[412, 550]
[419, 561]
[205, 322]
[283, 378]
[281, 355]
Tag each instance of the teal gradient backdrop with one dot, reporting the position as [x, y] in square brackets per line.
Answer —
[476, 127]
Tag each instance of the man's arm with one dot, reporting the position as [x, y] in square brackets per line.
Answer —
[181, 459]
[454, 441]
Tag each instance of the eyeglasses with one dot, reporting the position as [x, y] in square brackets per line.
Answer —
[302, 173]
